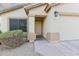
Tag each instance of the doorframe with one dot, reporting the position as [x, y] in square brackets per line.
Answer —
[42, 16]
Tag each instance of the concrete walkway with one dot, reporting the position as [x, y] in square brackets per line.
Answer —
[43, 47]
[64, 48]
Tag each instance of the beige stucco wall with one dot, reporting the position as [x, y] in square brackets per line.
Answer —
[47, 21]
[68, 27]
[19, 13]
[31, 35]
[31, 25]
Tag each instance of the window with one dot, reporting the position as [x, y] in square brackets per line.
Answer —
[16, 24]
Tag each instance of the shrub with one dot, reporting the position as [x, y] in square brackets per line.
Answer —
[25, 37]
[9, 34]
[12, 38]
[0, 32]
[25, 34]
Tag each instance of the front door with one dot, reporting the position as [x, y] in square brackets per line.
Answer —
[38, 27]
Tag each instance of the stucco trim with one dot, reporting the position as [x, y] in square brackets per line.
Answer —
[45, 15]
[31, 37]
[69, 14]
[53, 37]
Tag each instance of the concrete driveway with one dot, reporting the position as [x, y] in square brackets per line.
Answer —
[64, 48]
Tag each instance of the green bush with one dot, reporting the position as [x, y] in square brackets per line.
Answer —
[15, 33]
[25, 34]
[0, 32]
[12, 38]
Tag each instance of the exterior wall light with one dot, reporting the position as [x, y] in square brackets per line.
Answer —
[56, 13]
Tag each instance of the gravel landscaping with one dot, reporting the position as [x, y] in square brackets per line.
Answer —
[26, 49]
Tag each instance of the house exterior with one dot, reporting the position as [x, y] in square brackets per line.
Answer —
[54, 21]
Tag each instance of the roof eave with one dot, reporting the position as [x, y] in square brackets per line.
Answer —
[34, 6]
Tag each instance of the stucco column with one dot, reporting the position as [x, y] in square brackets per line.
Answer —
[31, 29]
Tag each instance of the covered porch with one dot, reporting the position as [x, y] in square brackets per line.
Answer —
[35, 27]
